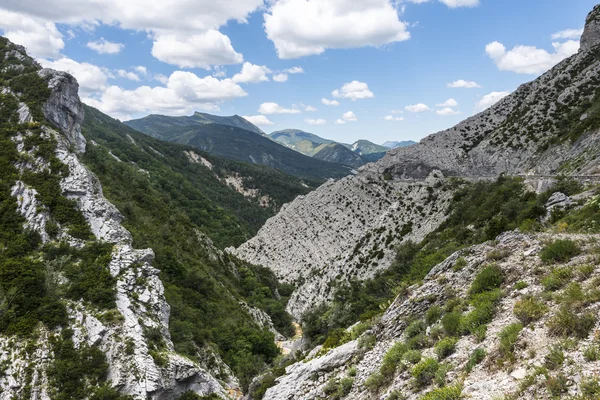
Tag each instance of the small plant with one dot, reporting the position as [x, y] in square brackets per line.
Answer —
[521, 285]
[460, 263]
[424, 371]
[560, 251]
[529, 309]
[475, 358]
[433, 314]
[412, 356]
[567, 323]
[489, 278]
[508, 339]
[352, 371]
[590, 388]
[450, 323]
[585, 271]
[453, 392]
[392, 358]
[440, 375]
[445, 347]
[557, 385]
[367, 341]
[555, 358]
[592, 353]
[557, 278]
[497, 254]
[395, 395]
[415, 328]
[375, 381]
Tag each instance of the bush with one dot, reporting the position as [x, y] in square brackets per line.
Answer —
[560, 251]
[445, 347]
[555, 358]
[529, 309]
[451, 323]
[557, 278]
[590, 388]
[453, 392]
[484, 307]
[592, 353]
[412, 356]
[557, 385]
[415, 328]
[460, 263]
[489, 278]
[475, 358]
[375, 381]
[424, 371]
[433, 314]
[521, 285]
[392, 358]
[508, 338]
[567, 323]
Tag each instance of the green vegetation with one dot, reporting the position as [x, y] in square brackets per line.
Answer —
[488, 278]
[555, 358]
[508, 338]
[559, 251]
[336, 389]
[425, 371]
[557, 278]
[445, 347]
[568, 323]
[453, 392]
[477, 356]
[529, 309]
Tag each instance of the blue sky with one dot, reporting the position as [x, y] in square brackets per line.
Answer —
[386, 60]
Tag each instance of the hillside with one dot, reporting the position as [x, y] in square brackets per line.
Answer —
[238, 144]
[111, 284]
[335, 152]
[394, 144]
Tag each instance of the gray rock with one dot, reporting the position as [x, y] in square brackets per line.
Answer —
[591, 33]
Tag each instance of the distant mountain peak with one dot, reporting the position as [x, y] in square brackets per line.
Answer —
[591, 34]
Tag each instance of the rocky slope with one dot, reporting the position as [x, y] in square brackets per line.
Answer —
[338, 153]
[548, 126]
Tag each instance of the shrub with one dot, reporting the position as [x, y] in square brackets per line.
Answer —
[418, 342]
[459, 264]
[497, 254]
[424, 371]
[415, 328]
[508, 338]
[475, 358]
[440, 375]
[529, 309]
[484, 307]
[445, 347]
[337, 337]
[557, 278]
[395, 395]
[555, 358]
[521, 285]
[450, 323]
[412, 356]
[567, 323]
[488, 279]
[592, 353]
[367, 341]
[557, 385]
[392, 358]
[375, 381]
[590, 388]
[453, 392]
[560, 251]
[433, 314]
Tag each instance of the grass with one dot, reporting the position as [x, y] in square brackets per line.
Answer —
[566, 323]
[529, 309]
[453, 392]
[508, 339]
[477, 356]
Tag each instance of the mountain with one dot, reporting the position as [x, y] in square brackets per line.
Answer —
[114, 284]
[337, 153]
[160, 126]
[393, 145]
[235, 143]
[460, 267]
[310, 144]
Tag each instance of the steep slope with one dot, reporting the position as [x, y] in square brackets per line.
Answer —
[339, 154]
[364, 147]
[85, 313]
[548, 126]
[159, 125]
[394, 144]
[238, 144]
[303, 142]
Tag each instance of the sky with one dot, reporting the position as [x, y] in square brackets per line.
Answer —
[379, 70]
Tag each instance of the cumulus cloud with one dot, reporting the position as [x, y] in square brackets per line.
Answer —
[103, 46]
[195, 51]
[252, 74]
[260, 120]
[274, 108]
[417, 108]
[141, 70]
[392, 118]
[40, 38]
[567, 34]
[280, 77]
[310, 108]
[294, 70]
[283, 76]
[461, 83]
[354, 90]
[490, 99]
[184, 92]
[448, 103]
[328, 102]
[447, 111]
[300, 28]
[91, 78]
[128, 75]
[161, 78]
[348, 116]
[313, 122]
[530, 59]
[460, 3]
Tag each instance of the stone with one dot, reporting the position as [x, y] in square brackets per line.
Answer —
[591, 33]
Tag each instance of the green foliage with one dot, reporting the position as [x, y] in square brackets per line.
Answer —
[568, 323]
[557, 385]
[453, 392]
[412, 356]
[336, 389]
[484, 305]
[415, 328]
[425, 371]
[592, 353]
[475, 358]
[487, 279]
[555, 358]
[529, 309]
[508, 338]
[433, 314]
[521, 285]
[445, 347]
[460, 263]
[337, 337]
[375, 381]
[560, 251]
[392, 359]
[590, 388]
[451, 323]
[557, 278]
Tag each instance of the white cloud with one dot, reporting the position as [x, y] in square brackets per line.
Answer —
[310, 108]
[417, 108]
[40, 38]
[448, 103]
[354, 90]
[161, 78]
[567, 34]
[461, 83]
[280, 77]
[328, 102]
[103, 46]
[349, 116]
[460, 3]
[392, 118]
[183, 93]
[128, 75]
[529, 59]
[490, 99]
[141, 70]
[294, 70]
[195, 51]
[251, 73]
[91, 78]
[260, 120]
[300, 28]
[274, 108]
[447, 111]
[340, 121]
[313, 122]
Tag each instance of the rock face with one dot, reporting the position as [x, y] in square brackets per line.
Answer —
[544, 128]
[591, 33]
[487, 380]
